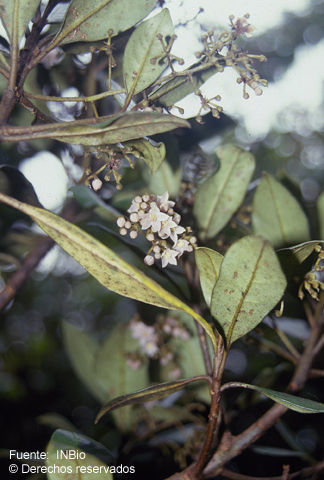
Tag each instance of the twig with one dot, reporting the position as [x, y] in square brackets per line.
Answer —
[303, 473]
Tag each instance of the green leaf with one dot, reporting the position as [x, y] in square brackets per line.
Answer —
[277, 215]
[103, 263]
[165, 180]
[250, 284]
[90, 21]
[320, 208]
[151, 152]
[126, 127]
[174, 90]
[143, 62]
[115, 376]
[155, 392]
[292, 258]
[298, 404]
[76, 468]
[277, 452]
[26, 10]
[208, 262]
[220, 196]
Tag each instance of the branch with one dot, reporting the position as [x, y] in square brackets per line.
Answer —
[303, 473]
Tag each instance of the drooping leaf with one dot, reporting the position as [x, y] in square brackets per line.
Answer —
[88, 455]
[15, 15]
[103, 263]
[151, 152]
[292, 258]
[155, 392]
[299, 404]
[277, 215]
[250, 284]
[208, 262]
[165, 180]
[320, 208]
[114, 374]
[220, 196]
[143, 60]
[174, 90]
[129, 126]
[90, 21]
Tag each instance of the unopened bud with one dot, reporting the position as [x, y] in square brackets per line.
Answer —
[134, 217]
[149, 260]
[127, 224]
[121, 222]
[133, 234]
[123, 231]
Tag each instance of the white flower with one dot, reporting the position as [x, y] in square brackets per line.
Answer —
[169, 256]
[175, 232]
[182, 246]
[165, 231]
[153, 218]
[164, 202]
[150, 348]
[135, 206]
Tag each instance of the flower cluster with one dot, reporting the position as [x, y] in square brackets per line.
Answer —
[156, 217]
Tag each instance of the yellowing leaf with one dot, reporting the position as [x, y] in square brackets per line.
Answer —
[103, 263]
[277, 215]
[219, 197]
[250, 284]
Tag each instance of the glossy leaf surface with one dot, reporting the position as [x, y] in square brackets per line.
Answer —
[220, 196]
[277, 215]
[250, 284]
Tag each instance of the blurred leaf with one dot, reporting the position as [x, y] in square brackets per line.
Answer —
[115, 376]
[77, 443]
[90, 21]
[277, 452]
[165, 180]
[174, 90]
[298, 404]
[103, 263]
[17, 19]
[55, 420]
[320, 207]
[292, 259]
[15, 184]
[148, 394]
[277, 215]
[220, 196]
[143, 60]
[126, 127]
[208, 262]
[152, 153]
[250, 284]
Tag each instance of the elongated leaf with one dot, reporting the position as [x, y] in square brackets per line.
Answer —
[165, 180]
[116, 376]
[151, 152]
[16, 21]
[277, 215]
[250, 284]
[179, 87]
[82, 464]
[277, 452]
[221, 195]
[320, 207]
[90, 21]
[208, 263]
[143, 62]
[127, 127]
[146, 395]
[104, 264]
[299, 404]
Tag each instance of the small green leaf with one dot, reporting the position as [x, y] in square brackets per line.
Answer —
[277, 215]
[165, 180]
[86, 459]
[148, 394]
[179, 87]
[26, 10]
[128, 126]
[299, 404]
[151, 152]
[103, 263]
[320, 207]
[90, 21]
[220, 196]
[143, 59]
[250, 284]
[208, 263]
